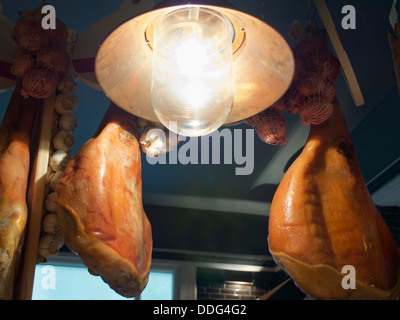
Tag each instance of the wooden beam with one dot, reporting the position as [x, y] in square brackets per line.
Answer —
[341, 54]
[36, 194]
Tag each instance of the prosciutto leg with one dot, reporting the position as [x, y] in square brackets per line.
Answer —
[15, 135]
[324, 223]
[100, 205]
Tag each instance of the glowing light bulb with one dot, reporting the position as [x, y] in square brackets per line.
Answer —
[192, 80]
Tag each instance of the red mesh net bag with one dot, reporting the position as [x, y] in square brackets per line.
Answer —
[270, 126]
[313, 88]
[42, 57]
[39, 83]
[315, 110]
[55, 58]
[311, 93]
[22, 64]
[31, 36]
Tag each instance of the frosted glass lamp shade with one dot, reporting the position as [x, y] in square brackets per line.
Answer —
[192, 72]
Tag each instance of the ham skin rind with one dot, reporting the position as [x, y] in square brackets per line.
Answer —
[100, 206]
[15, 136]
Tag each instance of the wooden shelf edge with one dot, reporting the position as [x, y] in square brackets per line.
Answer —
[35, 201]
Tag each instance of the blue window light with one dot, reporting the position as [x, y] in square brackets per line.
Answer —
[58, 282]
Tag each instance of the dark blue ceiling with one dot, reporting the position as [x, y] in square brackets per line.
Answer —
[368, 50]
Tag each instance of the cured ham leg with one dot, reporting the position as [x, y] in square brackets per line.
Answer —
[100, 206]
[322, 219]
[15, 135]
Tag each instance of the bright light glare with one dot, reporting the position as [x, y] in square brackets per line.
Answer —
[195, 93]
[192, 81]
[191, 57]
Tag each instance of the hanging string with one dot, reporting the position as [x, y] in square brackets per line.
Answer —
[311, 16]
[262, 10]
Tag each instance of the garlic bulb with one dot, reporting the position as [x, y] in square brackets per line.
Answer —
[155, 141]
[65, 103]
[50, 202]
[54, 179]
[50, 223]
[152, 142]
[49, 173]
[54, 123]
[72, 36]
[49, 244]
[71, 41]
[63, 140]
[67, 122]
[67, 85]
[59, 160]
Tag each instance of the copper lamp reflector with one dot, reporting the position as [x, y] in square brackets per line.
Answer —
[263, 64]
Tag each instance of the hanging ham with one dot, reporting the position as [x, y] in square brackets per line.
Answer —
[100, 205]
[322, 219]
[15, 133]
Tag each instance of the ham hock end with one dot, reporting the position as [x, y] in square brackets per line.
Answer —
[100, 206]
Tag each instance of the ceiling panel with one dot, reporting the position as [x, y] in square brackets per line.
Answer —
[192, 184]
